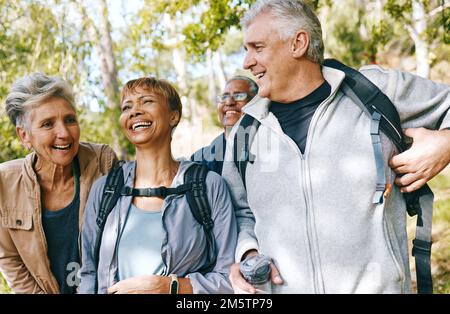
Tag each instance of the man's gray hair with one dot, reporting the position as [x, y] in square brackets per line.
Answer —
[32, 90]
[251, 83]
[289, 17]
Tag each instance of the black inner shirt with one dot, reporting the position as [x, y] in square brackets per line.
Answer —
[295, 117]
[61, 232]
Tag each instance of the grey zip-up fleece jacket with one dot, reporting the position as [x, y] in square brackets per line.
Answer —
[183, 249]
[313, 212]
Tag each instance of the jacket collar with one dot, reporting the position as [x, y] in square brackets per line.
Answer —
[258, 107]
[86, 156]
[32, 186]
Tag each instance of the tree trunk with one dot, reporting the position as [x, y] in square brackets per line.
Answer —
[418, 33]
[179, 63]
[194, 126]
[109, 72]
[220, 71]
[212, 91]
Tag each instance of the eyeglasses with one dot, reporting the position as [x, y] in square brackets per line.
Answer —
[236, 97]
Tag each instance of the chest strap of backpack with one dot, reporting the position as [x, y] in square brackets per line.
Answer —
[161, 191]
[195, 190]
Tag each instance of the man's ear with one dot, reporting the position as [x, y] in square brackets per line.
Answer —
[300, 44]
[25, 138]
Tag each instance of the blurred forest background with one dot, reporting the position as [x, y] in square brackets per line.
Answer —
[98, 45]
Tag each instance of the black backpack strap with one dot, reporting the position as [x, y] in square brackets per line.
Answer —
[242, 143]
[161, 191]
[198, 203]
[422, 243]
[385, 117]
[374, 100]
[111, 193]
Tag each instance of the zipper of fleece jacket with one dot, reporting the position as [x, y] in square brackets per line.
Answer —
[312, 254]
[307, 192]
[311, 230]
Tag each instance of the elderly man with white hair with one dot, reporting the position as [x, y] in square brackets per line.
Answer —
[307, 200]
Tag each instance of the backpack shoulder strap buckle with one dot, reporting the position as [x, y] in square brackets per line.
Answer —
[421, 247]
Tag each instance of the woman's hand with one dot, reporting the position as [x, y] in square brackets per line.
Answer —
[148, 284]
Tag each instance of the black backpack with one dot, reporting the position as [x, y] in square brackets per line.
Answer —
[194, 188]
[385, 118]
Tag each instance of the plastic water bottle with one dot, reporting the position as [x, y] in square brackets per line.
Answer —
[256, 270]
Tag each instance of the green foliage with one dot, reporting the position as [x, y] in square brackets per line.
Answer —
[441, 212]
[352, 36]
[443, 20]
[214, 24]
[398, 9]
[232, 42]
[380, 36]
[4, 289]
[359, 31]
[33, 38]
[441, 282]
[10, 147]
[174, 6]
[210, 20]
[441, 243]
[207, 21]
[441, 239]
[438, 26]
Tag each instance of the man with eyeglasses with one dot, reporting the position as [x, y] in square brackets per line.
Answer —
[238, 91]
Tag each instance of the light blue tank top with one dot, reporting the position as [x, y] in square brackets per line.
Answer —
[139, 249]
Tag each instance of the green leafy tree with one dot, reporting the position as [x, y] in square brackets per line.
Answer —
[35, 37]
[427, 23]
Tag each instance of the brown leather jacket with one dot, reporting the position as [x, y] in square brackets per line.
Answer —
[23, 247]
